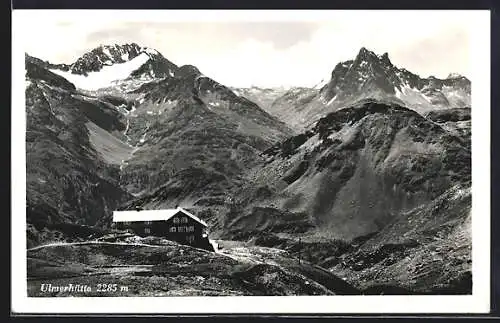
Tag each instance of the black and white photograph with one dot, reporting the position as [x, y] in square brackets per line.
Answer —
[209, 156]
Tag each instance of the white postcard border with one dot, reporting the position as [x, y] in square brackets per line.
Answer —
[478, 302]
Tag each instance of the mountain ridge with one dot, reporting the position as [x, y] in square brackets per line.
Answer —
[369, 76]
[160, 113]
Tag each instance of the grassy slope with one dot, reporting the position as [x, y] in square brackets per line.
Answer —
[426, 249]
[69, 183]
[194, 140]
[393, 224]
[353, 173]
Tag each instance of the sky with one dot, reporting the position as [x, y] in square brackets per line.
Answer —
[266, 50]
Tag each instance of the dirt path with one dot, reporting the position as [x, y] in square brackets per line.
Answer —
[276, 257]
[60, 244]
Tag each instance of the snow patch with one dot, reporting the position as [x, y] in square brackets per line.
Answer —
[143, 138]
[459, 193]
[463, 124]
[124, 107]
[150, 51]
[398, 93]
[332, 99]
[311, 143]
[104, 77]
[200, 77]
[125, 133]
[454, 76]
[411, 95]
[105, 50]
[125, 56]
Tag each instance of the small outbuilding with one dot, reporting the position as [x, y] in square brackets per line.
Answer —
[173, 224]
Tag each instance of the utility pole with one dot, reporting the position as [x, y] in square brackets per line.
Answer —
[299, 249]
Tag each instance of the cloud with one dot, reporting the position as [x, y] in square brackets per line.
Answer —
[272, 53]
[446, 53]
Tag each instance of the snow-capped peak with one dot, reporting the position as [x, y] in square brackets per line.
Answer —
[367, 57]
[106, 75]
[105, 55]
[365, 54]
[110, 50]
[370, 74]
[106, 64]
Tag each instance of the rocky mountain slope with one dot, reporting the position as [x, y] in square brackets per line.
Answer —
[69, 185]
[196, 141]
[172, 138]
[425, 249]
[292, 106]
[377, 193]
[356, 170]
[371, 76]
[263, 97]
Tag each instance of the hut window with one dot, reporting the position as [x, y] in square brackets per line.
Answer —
[176, 220]
[148, 222]
[172, 229]
[191, 228]
[184, 220]
[190, 238]
[147, 230]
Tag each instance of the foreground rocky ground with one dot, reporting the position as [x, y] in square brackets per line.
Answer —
[432, 256]
[424, 251]
[133, 266]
